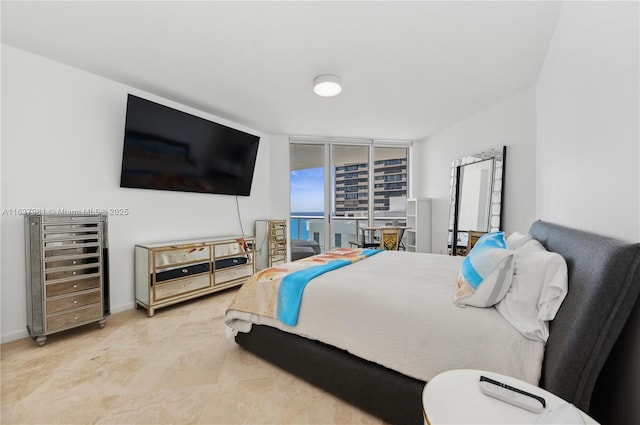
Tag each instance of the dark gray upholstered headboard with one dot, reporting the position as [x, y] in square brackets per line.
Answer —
[604, 283]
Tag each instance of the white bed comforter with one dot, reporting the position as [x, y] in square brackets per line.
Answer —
[396, 309]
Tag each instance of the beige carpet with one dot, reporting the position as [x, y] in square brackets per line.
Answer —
[175, 368]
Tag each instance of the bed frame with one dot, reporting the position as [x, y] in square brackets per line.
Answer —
[604, 283]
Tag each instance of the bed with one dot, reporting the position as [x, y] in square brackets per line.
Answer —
[603, 286]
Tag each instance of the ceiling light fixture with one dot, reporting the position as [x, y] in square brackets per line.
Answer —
[327, 85]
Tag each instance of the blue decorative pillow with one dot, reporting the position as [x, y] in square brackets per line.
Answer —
[486, 272]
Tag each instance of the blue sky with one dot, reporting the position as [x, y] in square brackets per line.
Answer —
[307, 192]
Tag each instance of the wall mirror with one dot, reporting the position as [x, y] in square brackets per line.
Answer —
[477, 183]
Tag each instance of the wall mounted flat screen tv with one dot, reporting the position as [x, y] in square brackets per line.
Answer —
[167, 149]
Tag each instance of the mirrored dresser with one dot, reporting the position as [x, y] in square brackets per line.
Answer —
[67, 273]
[167, 273]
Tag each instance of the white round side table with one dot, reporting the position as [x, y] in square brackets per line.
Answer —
[454, 397]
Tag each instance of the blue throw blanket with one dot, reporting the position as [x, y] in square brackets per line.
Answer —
[292, 285]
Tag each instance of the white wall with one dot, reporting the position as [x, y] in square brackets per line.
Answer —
[280, 176]
[588, 149]
[512, 123]
[62, 133]
[588, 156]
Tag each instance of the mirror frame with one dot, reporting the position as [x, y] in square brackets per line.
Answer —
[499, 156]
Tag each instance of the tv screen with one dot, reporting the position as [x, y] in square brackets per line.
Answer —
[167, 149]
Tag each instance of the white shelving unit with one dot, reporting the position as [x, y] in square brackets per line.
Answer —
[418, 233]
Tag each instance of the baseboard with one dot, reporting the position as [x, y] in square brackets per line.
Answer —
[12, 336]
[122, 307]
[19, 334]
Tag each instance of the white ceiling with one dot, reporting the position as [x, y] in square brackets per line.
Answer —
[408, 68]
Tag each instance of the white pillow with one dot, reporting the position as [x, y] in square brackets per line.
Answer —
[540, 284]
[516, 239]
[485, 275]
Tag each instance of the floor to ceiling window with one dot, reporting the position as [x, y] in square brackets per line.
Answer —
[390, 183]
[307, 183]
[338, 186]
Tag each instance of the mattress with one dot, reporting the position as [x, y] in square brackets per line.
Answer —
[396, 309]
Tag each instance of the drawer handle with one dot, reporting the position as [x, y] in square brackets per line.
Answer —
[75, 262]
[185, 271]
[75, 301]
[75, 273]
[75, 286]
[75, 317]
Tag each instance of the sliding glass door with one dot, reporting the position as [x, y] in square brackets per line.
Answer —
[307, 179]
[390, 184]
[349, 169]
[340, 188]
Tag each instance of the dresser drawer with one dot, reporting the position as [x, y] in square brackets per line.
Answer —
[278, 236]
[181, 286]
[72, 251]
[73, 318]
[57, 262]
[76, 270]
[84, 231]
[69, 219]
[228, 249]
[278, 250]
[163, 275]
[62, 288]
[233, 273]
[69, 302]
[72, 242]
[164, 258]
[230, 262]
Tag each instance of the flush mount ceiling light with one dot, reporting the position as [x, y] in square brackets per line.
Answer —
[327, 85]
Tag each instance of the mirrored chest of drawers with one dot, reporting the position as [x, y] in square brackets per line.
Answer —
[271, 243]
[67, 273]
